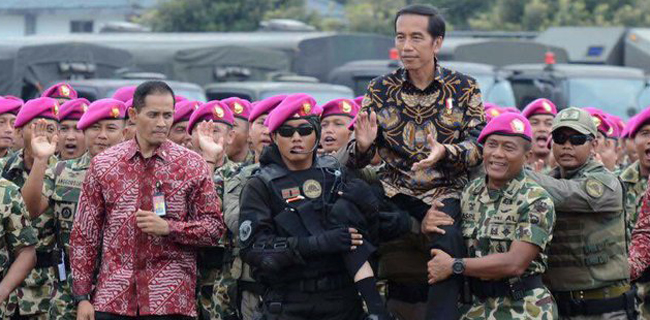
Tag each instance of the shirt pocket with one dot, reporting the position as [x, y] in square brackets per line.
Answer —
[499, 235]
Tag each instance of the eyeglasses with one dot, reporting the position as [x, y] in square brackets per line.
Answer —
[288, 131]
[574, 139]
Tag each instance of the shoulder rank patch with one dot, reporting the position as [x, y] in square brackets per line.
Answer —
[594, 188]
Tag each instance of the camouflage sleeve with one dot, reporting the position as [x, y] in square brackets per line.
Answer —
[233, 188]
[600, 192]
[353, 158]
[639, 252]
[48, 182]
[536, 221]
[20, 232]
[468, 153]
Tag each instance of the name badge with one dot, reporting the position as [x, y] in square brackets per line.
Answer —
[159, 201]
[62, 273]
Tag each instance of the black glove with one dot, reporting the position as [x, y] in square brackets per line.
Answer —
[361, 194]
[393, 224]
[331, 241]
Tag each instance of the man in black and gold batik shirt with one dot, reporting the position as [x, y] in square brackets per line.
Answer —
[423, 121]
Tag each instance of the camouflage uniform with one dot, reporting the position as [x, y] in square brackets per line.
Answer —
[16, 231]
[215, 282]
[62, 186]
[240, 271]
[492, 220]
[635, 186]
[33, 296]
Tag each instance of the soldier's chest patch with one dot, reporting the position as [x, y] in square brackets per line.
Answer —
[312, 188]
[290, 193]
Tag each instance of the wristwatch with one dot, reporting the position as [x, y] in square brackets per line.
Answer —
[458, 267]
[79, 298]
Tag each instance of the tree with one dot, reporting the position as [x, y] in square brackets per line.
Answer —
[373, 16]
[211, 15]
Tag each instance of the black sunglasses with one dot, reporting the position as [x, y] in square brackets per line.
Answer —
[288, 131]
[574, 139]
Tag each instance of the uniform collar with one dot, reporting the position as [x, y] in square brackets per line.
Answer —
[82, 162]
[162, 152]
[509, 191]
[437, 76]
[588, 166]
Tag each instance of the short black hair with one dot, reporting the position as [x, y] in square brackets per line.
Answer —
[437, 25]
[148, 88]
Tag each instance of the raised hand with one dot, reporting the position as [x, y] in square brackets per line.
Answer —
[438, 152]
[43, 142]
[211, 150]
[365, 130]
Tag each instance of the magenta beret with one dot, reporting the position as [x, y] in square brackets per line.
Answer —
[265, 106]
[184, 109]
[124, 94]
[240, 108]
[60, 90]
[294, 106]
[510, 124]
[340, 107]
[102, 110]
[540, 106]
[37, 108]
[213, 110]
[10, 105]
[73, 109]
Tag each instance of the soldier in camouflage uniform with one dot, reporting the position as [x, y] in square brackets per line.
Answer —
[211, 129]
[8, 110]
[507, 223]
[588, 270]
[635, 178]
[59, 187]
[32, 299]
[17, 241]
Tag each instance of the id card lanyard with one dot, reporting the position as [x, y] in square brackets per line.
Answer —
[159, 201]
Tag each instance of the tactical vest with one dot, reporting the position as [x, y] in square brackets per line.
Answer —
[588, 251]
[303, 217]
[67, 189]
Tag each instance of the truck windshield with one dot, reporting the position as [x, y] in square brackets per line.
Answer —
[613, 95]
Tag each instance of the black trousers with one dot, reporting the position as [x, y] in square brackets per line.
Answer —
[443, 297]
[282, 304]
[112, 316]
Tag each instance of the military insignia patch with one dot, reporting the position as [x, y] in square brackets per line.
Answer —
[346, 107]
[546, 106]
[594, 188]
[245, 230]
[55, 109]
[290, 193]
[64, 91]
[306, 108]
[312, 188]
[115, 112]
[494, 113]
[218, 112]
[517, 126]
[570, 115]
[238, 108]
[84, 107]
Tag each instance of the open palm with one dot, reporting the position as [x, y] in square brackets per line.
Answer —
[43, 142]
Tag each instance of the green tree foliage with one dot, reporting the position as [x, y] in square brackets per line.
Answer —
[377, 16]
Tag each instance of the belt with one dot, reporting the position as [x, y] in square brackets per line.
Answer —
[326, 283]
[570, 307]
[411, 293]
[514, 288]
[594, 294]
[46, 259]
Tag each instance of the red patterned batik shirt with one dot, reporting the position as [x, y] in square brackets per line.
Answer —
[141, 274]
[640, 247]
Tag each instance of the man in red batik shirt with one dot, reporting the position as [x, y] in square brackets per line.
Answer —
[145, 204]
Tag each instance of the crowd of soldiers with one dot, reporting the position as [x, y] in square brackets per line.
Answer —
[415, 201]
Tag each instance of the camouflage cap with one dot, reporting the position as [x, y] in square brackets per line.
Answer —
[577, 119]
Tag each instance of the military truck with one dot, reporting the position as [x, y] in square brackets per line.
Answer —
[621, 91]
[258, 90]
[357, 75]
[94, 89]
